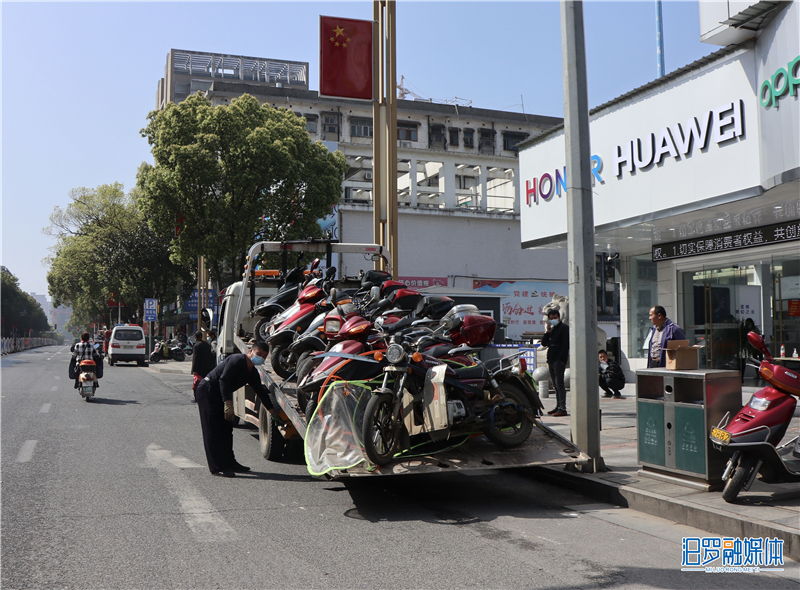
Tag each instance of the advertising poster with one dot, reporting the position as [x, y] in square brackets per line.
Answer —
[522, 309]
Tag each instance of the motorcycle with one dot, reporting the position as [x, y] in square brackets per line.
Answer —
[284, 298]
[755, 432]
[167, 350]
[87, 379]
[428, 399]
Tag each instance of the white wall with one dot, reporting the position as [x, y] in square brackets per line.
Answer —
[440, 244]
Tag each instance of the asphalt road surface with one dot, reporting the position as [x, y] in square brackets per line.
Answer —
[116, 494]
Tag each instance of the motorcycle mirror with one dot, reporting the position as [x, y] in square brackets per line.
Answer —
[375, 293]
[757, 342]
[332, 293]
[315, 264]
[330, 271]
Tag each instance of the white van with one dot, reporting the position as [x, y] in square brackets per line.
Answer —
[127, 345]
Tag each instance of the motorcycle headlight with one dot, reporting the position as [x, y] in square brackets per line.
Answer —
[332, 326]
[758, 403]
[395, 353]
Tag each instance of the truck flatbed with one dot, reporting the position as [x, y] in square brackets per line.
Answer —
[544, 447]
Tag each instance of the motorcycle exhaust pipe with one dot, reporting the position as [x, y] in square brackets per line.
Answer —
[753, 476]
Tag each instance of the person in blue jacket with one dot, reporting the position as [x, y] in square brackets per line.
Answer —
[663, 331]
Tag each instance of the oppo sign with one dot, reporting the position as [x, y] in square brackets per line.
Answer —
[678, 141]
[782, 81]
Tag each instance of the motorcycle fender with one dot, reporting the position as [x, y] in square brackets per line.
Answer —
[268, 311]
[308, 343]
[434, 409]
[281, 337]
[525, 383]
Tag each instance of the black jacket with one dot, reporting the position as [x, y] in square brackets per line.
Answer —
[232, 374]
[613, 372]
[203, 361]
[557, 343]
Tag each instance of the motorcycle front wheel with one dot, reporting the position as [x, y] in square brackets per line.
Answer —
[179, 356]
[280, 359]
[511, 427]
[378, 430]
[155, 357]
[740, 477]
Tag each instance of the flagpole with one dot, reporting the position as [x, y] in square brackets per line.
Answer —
[377, 127]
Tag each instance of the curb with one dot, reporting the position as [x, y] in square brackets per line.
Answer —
[702, 517]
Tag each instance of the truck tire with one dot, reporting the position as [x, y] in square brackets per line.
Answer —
[270, 438]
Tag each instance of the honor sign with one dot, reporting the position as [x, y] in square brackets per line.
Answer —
[676, 145]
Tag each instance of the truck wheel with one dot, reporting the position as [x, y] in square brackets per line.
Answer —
[270, 438]
[280, 359]
[740, 477]
[511, 427]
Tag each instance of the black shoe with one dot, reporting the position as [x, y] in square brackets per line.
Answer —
[239, 468]
[606, 394]
[194, 401]
[618, 395]
[553, 411]
[559, 413]
[223, 473]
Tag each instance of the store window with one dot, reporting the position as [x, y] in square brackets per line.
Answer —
[643, 288]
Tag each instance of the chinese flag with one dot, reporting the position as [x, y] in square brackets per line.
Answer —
[345, 57]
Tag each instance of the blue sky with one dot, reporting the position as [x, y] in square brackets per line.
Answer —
[78, 79]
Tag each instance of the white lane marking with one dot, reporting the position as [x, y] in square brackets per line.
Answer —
[26, 452]
[45, 408]
[155, 454]
[54, 388]
[58, 378]
[201, 517]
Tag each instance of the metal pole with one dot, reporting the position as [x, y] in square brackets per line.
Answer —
[391, 135]
[377, 127]
[659, 40]
[585, 418]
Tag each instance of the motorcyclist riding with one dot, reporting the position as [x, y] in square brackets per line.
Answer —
[84, 351]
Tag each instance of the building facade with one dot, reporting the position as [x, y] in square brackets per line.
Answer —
[696, 189]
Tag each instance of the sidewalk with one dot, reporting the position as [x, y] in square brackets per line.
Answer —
[767, 510]
[182, 368]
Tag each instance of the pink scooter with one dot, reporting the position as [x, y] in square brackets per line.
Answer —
[754, 433]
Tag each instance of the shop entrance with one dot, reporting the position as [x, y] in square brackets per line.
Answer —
[719, 306]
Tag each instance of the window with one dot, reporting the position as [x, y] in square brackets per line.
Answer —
[486, 145]
[454, 137]
[330, 128]
[510, 140]
[135, 335]
[469, 138]
[360, 127]
[311, 123]
[181, 91]
[437, 136]
[466, 182]
[406, 131]
[643, 289]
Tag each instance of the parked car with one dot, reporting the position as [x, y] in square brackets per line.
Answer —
[127, 345]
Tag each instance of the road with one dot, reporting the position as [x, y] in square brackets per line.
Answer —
[116, 494]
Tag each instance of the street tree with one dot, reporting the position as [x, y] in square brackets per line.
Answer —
[228, 175]
[105, 246]
[21, 313]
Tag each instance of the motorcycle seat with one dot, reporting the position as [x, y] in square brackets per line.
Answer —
[476, 372]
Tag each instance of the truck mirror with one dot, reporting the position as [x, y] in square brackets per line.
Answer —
[207, 318]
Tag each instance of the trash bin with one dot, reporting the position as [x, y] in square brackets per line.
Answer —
[675, 411]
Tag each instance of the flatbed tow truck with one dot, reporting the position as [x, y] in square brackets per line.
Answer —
[544, 447]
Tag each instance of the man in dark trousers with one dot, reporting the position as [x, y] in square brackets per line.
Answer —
[663, 330]
[203, 360]
[556, 339]
[214, 396]
[612, 379]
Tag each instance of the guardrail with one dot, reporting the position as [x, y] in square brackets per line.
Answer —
[11, 345]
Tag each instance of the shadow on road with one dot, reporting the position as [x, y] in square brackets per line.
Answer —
[113, 402]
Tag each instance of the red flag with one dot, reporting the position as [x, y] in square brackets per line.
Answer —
[345, 53]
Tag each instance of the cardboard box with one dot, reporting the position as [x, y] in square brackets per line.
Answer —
[681, 356]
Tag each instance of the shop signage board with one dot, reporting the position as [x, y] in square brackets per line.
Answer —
[788, 231]
[522, 309]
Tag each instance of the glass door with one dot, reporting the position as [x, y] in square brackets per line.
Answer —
[717, 303]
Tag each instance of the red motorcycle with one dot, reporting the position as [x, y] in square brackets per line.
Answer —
[754, 433]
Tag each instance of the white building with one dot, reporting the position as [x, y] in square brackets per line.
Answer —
[458, 168]
[697, 187]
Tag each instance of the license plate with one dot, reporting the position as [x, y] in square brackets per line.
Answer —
[87, 389]
[721, 436]
[128, 347]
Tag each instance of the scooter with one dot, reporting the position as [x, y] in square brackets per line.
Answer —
[167, 350]
[754, 433]
[87, 379]
[283, 299]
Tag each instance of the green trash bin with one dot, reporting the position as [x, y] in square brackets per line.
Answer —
[675, 411]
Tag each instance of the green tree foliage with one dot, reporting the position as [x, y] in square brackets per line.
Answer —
[20, 312]
[223, 169]
[104, 245]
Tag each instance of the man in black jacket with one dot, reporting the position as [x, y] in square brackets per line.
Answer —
[203, 361]
[556, 339]
[214, 396]
[612, 379]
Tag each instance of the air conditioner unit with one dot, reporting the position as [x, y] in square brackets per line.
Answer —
[405, 144]
[367, 175]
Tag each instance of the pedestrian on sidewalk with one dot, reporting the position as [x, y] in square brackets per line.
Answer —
[612, 379]
[663, 331]
[203, 361]
[556, 339]
[214, 396]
